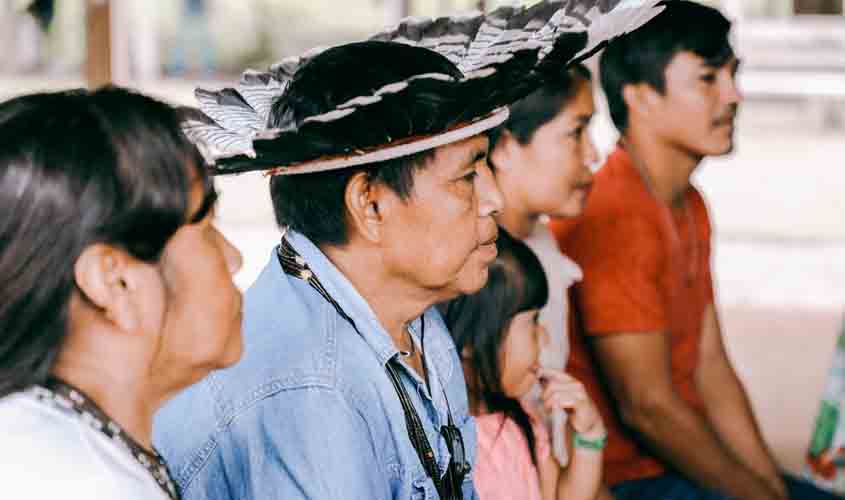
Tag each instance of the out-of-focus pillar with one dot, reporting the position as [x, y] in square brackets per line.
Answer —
[98, 43]
[733, 9]
[145, 40]
[120, 41]
[394, 10]
[134, 42]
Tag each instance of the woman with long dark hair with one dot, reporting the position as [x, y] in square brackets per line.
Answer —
[498, 334]
[115, 291]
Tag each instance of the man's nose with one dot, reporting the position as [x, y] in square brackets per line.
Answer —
[490, 198]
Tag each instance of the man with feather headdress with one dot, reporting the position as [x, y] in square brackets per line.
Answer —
[350, 386]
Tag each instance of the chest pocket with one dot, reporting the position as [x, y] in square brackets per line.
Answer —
[423, 489]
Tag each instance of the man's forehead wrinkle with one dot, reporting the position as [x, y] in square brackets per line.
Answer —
[463, 154]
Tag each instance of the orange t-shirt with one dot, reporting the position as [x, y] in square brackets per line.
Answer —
[646, 269]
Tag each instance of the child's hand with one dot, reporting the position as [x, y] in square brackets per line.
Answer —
[564, 392]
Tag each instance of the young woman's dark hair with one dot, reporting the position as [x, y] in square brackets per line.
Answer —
[313, 204]
[543, 105]
[479, 323]
[643, 55]
[79, 168]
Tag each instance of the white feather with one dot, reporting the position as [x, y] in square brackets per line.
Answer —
[233, 118]
[216, 142]
[621, 20]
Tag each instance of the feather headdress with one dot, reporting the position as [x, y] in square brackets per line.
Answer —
[488, 62]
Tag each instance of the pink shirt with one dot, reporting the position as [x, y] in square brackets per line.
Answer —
[503, 469]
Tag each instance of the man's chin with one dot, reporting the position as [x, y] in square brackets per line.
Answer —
[470, 285]
[234, 350]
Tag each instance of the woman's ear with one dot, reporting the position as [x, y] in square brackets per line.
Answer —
[104, 276]
[368, 205]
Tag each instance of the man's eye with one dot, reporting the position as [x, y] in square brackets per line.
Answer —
[470, 176]
[577, 132]
[708, 77]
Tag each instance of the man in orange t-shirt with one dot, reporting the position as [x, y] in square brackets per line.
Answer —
[646, 339]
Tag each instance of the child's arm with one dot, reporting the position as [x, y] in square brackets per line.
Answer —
[581, 479]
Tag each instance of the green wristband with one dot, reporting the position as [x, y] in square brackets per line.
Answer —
[598, 444]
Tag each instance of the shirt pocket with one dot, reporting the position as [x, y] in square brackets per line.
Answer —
[423, 489]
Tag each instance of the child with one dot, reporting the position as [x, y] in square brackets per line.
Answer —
[499, 336]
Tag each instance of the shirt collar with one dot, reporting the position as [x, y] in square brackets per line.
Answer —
[437, 339]
[354, 305]
[625, 164]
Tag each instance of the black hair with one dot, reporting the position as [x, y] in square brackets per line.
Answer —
[313, 204]
[479, 322]
[536, 109]
[643, 55]
[79, 168]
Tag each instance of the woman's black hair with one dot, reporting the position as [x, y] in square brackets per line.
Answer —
[479, 323]
[79, 168]
[540, 107]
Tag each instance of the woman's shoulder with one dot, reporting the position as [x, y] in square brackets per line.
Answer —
[38, 432]
[48, 453]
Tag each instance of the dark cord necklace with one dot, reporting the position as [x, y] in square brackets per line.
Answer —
[65, 397]
[449, 486]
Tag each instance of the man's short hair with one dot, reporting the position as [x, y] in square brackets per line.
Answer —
[79, 168]
[314, 204]
[536, 109]
[642, 56]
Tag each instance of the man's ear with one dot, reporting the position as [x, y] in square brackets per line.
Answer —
[104, 276]
[504, 155]
[368, 204]
[641, 99]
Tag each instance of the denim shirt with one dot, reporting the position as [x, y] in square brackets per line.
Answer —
[309, 411]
